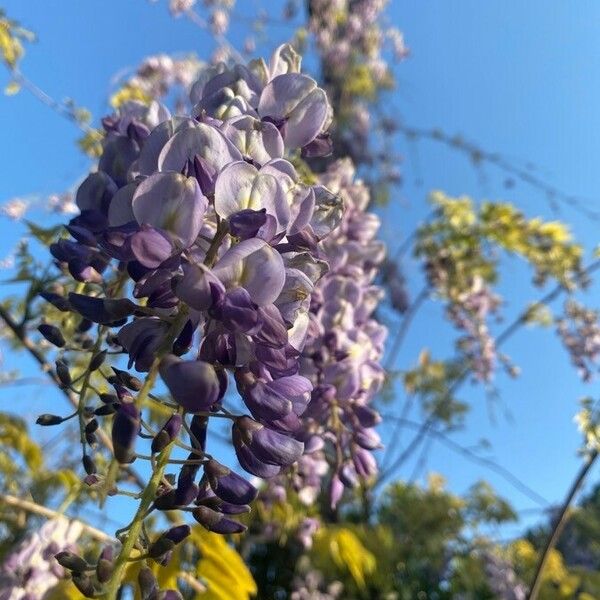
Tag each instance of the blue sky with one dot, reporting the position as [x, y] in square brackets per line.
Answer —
[518, 78]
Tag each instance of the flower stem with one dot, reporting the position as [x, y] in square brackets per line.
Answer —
[148, 495]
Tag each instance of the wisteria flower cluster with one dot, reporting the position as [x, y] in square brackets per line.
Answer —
[30, 571]
[351, 38]
[341, 357]
[208, 224]
[579, 330]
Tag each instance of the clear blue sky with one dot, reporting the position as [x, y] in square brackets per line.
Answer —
[520, 78]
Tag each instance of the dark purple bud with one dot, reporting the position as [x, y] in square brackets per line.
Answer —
[168, 540]
[101, 310]
[194, 385]
[276, 399]
[184, 340]
[366, 415]
[322, 145]
[71, 561]
[104, 566]
[48, 420]
[92, 426]
[227, 485]
[126, 426]
[97, 360]
[169, 595]
[216, 522]
[84, 272]
[199, 430]
[128, 380]
[63, 374]
[84, 584]
[107, 409]
[57, 301]
[148, 583]
[89, 465]
[237, 312]
[273, 332]
[206, 174]
[246, 223]
[170, 430]
[269, 446]
[52, 334]
[82, 235]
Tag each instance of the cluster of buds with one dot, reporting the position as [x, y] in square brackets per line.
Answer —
[207, 223]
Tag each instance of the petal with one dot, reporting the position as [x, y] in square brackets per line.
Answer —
[202, 140]
[195, 288]
[150, 247]
[172, 202]
[255, 266]
[119, 210]
[193, 384]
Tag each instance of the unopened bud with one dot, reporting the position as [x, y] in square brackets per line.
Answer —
[52, 334]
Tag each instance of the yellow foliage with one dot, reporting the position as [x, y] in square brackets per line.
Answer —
[91, 143]
[128, 93]
[12, 88]
[347, 552]
[221, 568]
[65, 590]
[13, 435]
[11, 48]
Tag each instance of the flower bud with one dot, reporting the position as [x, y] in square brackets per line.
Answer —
[128, 380]
[57, 301]
[52, 334]
[63, 374]
[84, 584]
[89, 465]
[104, 567]
[168, 540]
[148, 583]
[167, 434]
[97, 360]
[126, 426]
[71, 561]
[47, 420]
[216, 522]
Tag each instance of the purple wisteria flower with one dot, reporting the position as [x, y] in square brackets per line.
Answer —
[202, 255]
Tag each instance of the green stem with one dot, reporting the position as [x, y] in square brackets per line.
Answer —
[113, 585]
[144, 392]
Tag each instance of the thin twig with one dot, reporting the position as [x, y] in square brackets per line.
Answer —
[507, 333]
[474, 457]
[52, 514]
[559, 525]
